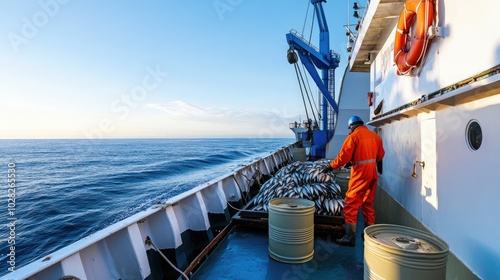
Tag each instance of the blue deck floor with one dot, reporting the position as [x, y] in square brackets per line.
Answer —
[244, 254]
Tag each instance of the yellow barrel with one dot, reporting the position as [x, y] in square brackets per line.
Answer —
[291, 230]
[342, 177]
[398, 252]
[298, 154]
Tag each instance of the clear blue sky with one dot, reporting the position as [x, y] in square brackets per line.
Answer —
[107, 69]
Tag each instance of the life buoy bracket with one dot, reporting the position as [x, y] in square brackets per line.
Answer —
[407, 57]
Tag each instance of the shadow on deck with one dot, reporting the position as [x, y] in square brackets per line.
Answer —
[244, 254]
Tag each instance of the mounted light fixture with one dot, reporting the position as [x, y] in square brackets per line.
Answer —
[351, 36]
[368, 59]
[420, 163]
[350, 44]
[356, 6]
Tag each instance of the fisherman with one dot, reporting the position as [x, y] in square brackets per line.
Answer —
[362, 149]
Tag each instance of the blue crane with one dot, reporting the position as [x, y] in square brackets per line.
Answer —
[327, 61]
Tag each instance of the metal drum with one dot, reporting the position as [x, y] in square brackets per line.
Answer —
[291, 230]
[398, 252]
[342, 177]
[298, 154]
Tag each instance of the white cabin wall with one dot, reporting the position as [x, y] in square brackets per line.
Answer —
[455, 195]
[470, 44]
[468, 185]
[402, 141]
[352, 101]
[426, 169]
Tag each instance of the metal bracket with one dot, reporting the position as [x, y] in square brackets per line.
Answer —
[434, 31]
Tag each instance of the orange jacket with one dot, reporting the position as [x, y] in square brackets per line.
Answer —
[364, 149]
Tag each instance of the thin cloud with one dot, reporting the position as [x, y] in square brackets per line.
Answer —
[189, 119]
[182, 110]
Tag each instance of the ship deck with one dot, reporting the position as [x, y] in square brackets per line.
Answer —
[244, 254]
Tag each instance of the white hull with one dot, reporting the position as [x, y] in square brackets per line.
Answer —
[119, 251]
[424, 118]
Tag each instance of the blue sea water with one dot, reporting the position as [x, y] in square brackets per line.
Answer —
[68, 189]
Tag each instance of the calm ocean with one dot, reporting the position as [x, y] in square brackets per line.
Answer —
[68, 189]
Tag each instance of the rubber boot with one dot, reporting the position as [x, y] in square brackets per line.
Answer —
[349, 238]
[363, 234]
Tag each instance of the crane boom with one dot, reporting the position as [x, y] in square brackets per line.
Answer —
[324, 59]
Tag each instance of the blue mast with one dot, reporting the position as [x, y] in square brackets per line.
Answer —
[326, 60]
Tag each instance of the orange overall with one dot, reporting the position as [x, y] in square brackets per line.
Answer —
[363, 148]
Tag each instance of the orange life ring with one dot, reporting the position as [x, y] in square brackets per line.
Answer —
[407, 59]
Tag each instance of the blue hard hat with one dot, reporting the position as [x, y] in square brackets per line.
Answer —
[354, 120]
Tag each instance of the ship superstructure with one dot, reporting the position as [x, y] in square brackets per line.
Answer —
[435, 81]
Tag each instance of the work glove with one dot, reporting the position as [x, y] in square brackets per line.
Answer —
[326, 169]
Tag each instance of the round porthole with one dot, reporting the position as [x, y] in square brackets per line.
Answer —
[474, 135]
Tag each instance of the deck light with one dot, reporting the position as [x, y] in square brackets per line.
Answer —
[420, 163]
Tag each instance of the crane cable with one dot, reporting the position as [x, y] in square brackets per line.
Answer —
[312, 27]
[297, 73]
[307, 14]
[300, 79]
[310, 38]
[312, 96]
[309, 98]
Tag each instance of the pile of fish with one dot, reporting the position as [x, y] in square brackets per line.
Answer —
[303, 180]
